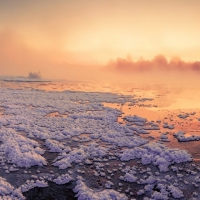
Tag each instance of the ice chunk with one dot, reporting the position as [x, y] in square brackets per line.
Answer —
[78, 155]
[7, 191]
[176, 192]
[135, 118]
[30, 184]
[183, 116]
[156, 154]
[180, 135]
[83, 193]
[63, 179]
[56, 146]
[20, 150]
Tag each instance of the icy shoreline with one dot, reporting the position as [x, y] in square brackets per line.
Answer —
[110, 155]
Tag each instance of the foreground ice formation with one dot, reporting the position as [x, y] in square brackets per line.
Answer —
[181, 137]
[83, 193]
[156, 154]
[20, 150]
[7, 191]
[71, 138]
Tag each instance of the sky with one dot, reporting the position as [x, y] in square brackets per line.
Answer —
[68, 38]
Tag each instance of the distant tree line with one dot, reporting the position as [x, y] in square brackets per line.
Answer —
[159, 62]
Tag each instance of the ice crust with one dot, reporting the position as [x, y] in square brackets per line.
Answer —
[63, 179]
[56, 146]
[135, 118]
[83, 193]
[181, 137]
[89, 135]
[30, 184]
[183, 116]
[20, 150]
[79, 155]
[156, 154]
[7, 191]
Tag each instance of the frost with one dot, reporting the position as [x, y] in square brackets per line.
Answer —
[20, 150]
[129, 141]
[183, 116]
[85, 193]
[164, 137]
[56, 146]
[156, 154]
[159, 196]
[30, 184]
[129, 177]
[181, 137]
[166, 125]
[109, 184]
[176, 193]
[135, 118]
[8, 191]
[78, 155]
[87, 133]
[63, 179]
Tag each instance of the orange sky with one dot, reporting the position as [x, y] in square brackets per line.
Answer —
[61, 38]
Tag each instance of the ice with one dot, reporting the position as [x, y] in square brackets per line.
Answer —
[65, 160]
[156, 154]
[63, 179]
[159, 196]
[183, 116]
[164, 137]
[166, 125]
[109, 184]
[176, 192]
[56, 146]
[7, 191]
[20, 150]
[30, 184]
[135, 118]
[85, 193]
[129, 141]
[90, 136]
[180, 135]
[129, 177]
[79, 155]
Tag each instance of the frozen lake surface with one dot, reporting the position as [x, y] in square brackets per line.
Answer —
[73, 140]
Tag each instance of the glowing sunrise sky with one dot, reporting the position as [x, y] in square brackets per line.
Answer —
[44, 35]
